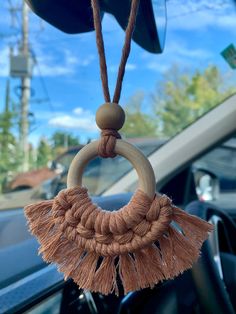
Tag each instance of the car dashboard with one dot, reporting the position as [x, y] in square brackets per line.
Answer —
[42, 289]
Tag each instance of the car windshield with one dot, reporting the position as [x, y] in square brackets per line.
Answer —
[50, 90]
[42, 131]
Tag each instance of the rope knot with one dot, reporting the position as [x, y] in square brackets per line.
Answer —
[132, 227]
[107, 143]
[70, 219]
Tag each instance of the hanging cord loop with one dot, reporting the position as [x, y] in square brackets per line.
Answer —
[110, 134]
[101, 49]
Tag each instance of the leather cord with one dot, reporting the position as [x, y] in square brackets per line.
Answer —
[109, 136]
[125, 51]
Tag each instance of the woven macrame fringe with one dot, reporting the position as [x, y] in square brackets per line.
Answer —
[174, 252]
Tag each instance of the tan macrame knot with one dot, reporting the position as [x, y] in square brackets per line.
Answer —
[131, 228]
[107, 143]
[138, 243]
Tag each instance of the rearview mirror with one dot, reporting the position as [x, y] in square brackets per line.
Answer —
[75, 16]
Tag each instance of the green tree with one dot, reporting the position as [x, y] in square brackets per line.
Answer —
[64, 139]
[44, 153]
[32, 157]
[7, 141]
[181, 98]
[137, 122]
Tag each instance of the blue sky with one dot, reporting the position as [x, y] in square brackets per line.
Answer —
[196, 34]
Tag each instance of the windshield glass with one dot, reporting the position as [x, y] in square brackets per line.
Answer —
[162, 94]
[50, 89]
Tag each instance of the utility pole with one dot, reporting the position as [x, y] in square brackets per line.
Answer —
[6, 123]
[25, 91]
[7, 97]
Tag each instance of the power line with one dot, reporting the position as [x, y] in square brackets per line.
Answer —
[42, 81]
[13, 11]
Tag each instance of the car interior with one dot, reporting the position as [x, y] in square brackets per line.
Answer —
[204, 186]
[208, 287]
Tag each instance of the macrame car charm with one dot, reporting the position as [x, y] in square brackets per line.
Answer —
[145, 242]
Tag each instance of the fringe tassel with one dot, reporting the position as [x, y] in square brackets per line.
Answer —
[86, 270]
[52, 247]
[39, 218]
[184, 252]
[38, 210]
[166, 250]
[174, 252]
[193, 227]
[148, 266]
[128, 273]
[70, 263]
[105, 277]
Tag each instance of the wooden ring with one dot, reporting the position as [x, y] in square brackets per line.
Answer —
[147, 182]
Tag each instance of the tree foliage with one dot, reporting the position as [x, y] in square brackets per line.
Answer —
[62, 140]
[137, 122]
[44, 153]
[8, 145]
[180, 98]
[50, 148]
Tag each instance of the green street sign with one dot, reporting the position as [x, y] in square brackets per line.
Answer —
[229, 54]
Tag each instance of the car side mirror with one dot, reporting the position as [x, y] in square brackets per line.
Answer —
[207, 185]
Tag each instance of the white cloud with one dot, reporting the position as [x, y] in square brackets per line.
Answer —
[157, 66]
[180, 8]
[49, 69]
[78, 110]
[75, 60]
[178, 52]
[80, 119]
[129, 67]
[70, 122]
[70, 59]
[49, 65]
[87, 61]
[180, 49]
[195, 15]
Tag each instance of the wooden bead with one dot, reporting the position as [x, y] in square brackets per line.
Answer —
[110, 116]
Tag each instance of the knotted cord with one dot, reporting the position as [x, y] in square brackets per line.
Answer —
[125, 51]
[108, 138]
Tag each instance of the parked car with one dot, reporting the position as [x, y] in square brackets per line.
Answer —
[98, 168]
[29, 179]
[100, 174]
[33, 178]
